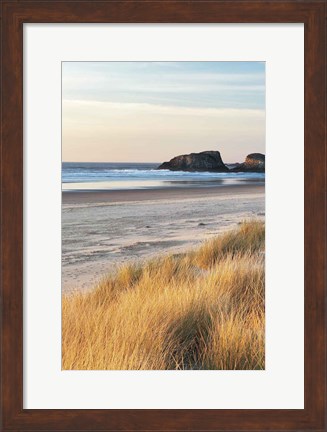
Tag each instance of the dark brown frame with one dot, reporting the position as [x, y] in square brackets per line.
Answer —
[14, 14]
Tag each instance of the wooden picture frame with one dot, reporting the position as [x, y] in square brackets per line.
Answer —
[14, 14]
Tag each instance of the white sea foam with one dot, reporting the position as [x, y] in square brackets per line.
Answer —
[103, 176]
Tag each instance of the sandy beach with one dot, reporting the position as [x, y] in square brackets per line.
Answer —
[103, 229]
[163, 216]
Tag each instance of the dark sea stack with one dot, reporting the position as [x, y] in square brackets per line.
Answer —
[254, 162]
[204, 161]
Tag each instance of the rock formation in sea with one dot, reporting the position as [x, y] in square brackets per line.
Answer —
[204, 161]
[254, 162]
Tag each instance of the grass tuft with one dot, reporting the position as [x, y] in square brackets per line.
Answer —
[199, 310]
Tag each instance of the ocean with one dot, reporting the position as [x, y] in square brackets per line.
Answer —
[88, 176]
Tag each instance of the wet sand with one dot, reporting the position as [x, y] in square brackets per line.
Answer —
[104, 229]
[116, 196]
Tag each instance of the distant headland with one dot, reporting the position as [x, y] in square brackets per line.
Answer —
[211, 161]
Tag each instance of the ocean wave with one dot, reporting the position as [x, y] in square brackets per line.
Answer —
[72, 175]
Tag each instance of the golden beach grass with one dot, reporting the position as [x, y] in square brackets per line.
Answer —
[200, 310]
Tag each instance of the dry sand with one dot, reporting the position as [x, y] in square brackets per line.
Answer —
[101, 230]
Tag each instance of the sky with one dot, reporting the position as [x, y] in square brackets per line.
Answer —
[153, 111]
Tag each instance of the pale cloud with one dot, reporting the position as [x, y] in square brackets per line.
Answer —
[103, 108]
[214, 84]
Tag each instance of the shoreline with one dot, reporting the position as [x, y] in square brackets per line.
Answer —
[176, 193]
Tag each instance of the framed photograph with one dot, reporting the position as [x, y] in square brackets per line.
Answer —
[163, 215]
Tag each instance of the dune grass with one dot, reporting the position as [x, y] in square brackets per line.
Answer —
[199, 310]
